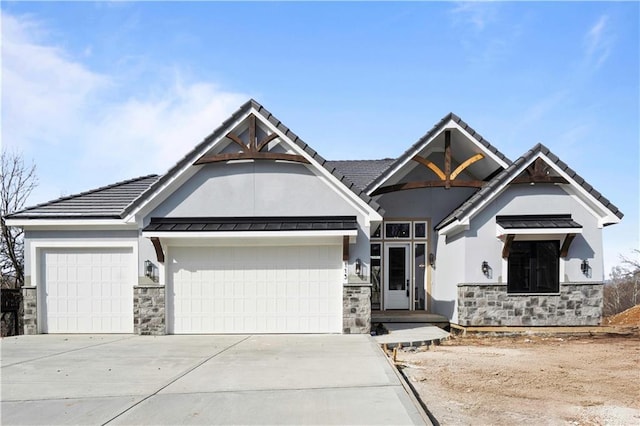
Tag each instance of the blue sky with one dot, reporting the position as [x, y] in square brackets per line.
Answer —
[100, 92]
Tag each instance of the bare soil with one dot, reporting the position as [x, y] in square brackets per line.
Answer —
[529, 379]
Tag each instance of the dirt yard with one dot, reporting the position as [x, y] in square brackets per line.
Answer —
[529, 379]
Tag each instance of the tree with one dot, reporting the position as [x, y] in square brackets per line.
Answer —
[17, 182]
[623, 290]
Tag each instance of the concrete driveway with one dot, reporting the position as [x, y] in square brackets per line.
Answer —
[265, 379]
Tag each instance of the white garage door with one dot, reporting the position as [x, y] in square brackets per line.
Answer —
[256, 289]
[87, 290]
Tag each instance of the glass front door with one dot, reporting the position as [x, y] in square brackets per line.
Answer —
[397, 275]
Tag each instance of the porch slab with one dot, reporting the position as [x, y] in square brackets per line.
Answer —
[411, 334]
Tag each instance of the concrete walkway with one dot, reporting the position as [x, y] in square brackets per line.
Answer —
[411, 334]
[267, 379]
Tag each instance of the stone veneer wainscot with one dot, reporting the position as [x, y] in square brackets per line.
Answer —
[356, 303]
[577, 304]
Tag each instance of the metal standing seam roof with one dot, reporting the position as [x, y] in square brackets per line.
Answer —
[509, 173]
[246, 224]
[224, 128]
[106, 202]
[434, 130]
[537, 222]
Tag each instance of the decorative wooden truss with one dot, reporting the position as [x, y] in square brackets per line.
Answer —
[252, 150]
[538, 172]
[446, 179]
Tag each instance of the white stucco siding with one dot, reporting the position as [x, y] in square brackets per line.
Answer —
[483, 244]
[434, 203]
[449, 271]
[253, 189]
[260, 189]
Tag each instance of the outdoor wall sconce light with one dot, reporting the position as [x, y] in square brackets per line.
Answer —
[149, 270]
[585, 268]
[485, 268]
[432, 260]
[358, 267]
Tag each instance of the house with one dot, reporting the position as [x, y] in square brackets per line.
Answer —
[254, 232]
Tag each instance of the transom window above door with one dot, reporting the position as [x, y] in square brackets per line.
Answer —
[401, 230]
[397, 230]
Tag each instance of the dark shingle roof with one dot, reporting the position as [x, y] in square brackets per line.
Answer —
[537, 221]
[434, 131]
[239, 224]
[361, 172]
[509, 174]
[106, 202]
[224, 128]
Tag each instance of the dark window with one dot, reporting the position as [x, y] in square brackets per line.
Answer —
[397, 230]
[376, 232]
[534, 267]
[420, 230]
[375, 275]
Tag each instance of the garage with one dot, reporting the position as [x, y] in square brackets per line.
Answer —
[255, 289]
[87, 290]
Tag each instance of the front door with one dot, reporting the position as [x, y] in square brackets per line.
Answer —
[397, 277]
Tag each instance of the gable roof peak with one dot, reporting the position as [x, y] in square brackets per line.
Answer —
[485, 194]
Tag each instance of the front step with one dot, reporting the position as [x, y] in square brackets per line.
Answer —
[415, 317]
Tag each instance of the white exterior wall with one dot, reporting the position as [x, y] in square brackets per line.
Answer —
[259, 189]
[483, 244]
[450, 260]
[460, 257]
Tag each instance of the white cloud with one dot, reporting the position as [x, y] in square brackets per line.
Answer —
[599, 41]
[476, 14]
[54, 109]
[159, 131]
[43, 91]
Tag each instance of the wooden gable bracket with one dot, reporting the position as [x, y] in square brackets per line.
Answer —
[507, 245]
[564, 250]
[446, 179]
[158, 247]
[252, 150]
[538, 172]
[345, 248]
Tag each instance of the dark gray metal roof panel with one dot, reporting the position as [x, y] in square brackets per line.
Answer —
[537, 222]
[106, 202]
[509, 174]
[245, 224]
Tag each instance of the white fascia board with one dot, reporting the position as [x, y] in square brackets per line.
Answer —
[455, 227]
[345, 193]
[180, 173]
[453, 125]
[84, 223]
[500, 231]
[600, 211]
[250, 234]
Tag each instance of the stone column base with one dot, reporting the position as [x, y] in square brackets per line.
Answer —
[30, 303]
[356, 303]
[149, 310]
